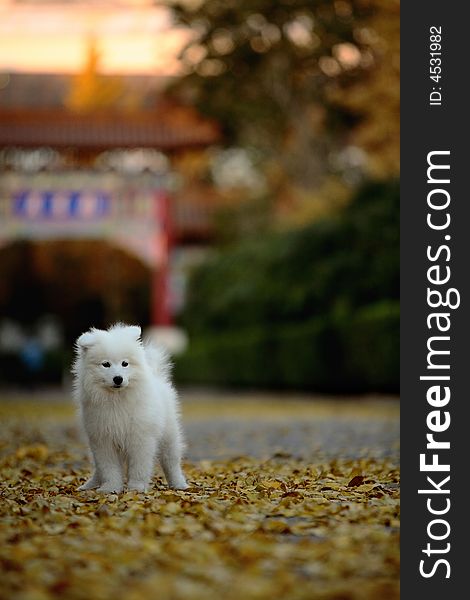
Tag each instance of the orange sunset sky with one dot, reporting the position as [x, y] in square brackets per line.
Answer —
[47, 36]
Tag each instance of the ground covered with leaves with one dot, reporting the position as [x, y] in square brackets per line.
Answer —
[273, 526]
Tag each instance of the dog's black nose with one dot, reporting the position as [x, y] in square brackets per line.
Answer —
[117, 380]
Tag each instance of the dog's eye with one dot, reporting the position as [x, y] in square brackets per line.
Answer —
[106, 364]
[125, 363]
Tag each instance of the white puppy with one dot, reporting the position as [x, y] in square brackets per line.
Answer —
[129, 409]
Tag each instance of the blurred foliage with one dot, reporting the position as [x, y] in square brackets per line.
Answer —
[298, 80]
[329, 267]
[91, 91]
[374, 97]
[352, 353]
[315, 307]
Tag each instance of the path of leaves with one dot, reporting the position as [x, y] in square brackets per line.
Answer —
[246, 529]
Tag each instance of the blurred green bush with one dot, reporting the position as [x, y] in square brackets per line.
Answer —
[348, 354]
[315, 308]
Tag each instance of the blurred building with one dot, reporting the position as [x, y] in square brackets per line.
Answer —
[106, 173]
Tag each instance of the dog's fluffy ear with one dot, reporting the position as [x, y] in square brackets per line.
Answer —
[134, 331]
[87, 339]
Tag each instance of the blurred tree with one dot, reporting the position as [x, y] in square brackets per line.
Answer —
[374, 95]
[316, 307]
[298, 80]
[92, 91]
[336, 265]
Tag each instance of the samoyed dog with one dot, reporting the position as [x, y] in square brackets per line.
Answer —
[128, 408]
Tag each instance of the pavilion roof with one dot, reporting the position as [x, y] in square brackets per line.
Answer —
[167, 129]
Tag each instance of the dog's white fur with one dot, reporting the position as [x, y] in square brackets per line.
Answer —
[128, 408]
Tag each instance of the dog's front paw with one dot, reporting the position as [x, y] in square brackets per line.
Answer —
[136, 486]
[179, 484]
[109, 487]
[91, 484]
